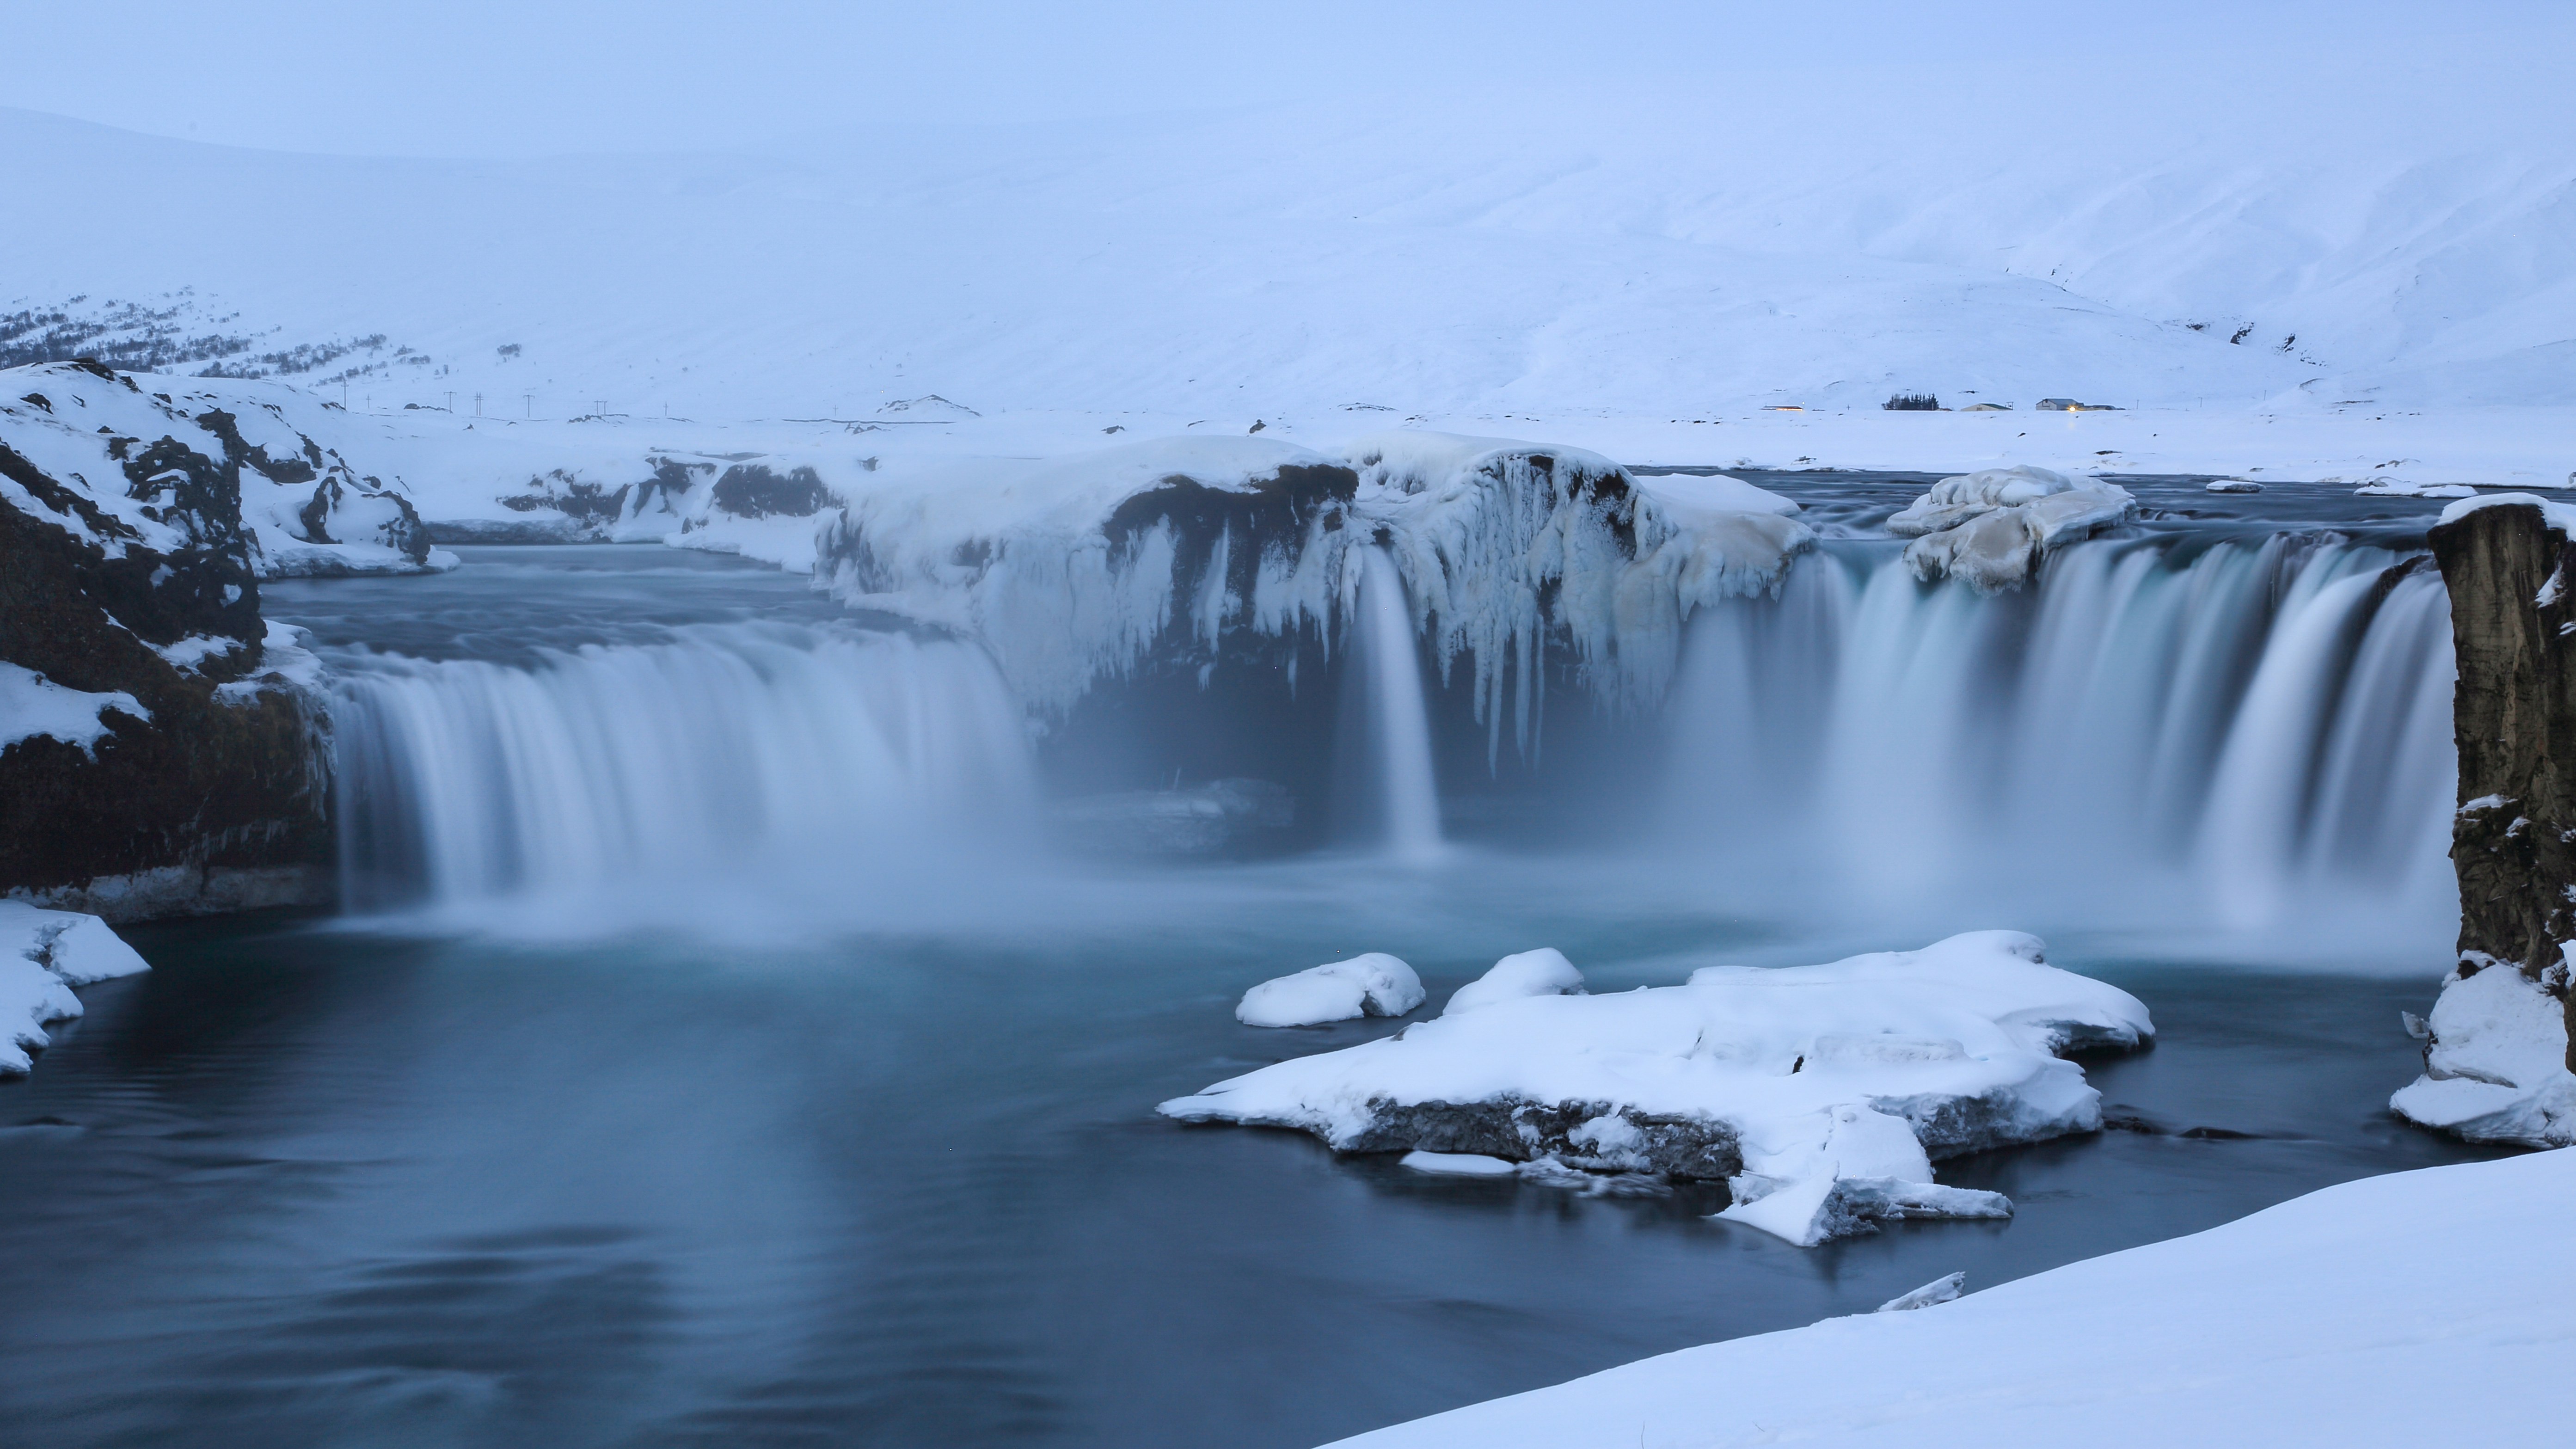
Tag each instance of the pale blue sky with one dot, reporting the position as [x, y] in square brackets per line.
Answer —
[510, 77]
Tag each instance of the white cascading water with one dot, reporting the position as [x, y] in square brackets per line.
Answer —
[1385, 653]
[2211, 733]
[732, 756]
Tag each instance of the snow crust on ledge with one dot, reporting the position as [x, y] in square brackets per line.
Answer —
[32, 705]
[2555, 513]
[1990, 528]
[1821, 1092]
[2416, 1308]
[43, 955]
[1375, 984]
[1079, 567]
[2495, 1060]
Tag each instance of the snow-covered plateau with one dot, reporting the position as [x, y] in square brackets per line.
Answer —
[2415, 1308]
[1820, 1093]
[43, 955]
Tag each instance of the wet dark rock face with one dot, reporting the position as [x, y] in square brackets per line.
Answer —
[218, 801]
[2512, 581]
[751, 490]
[1686, 1149]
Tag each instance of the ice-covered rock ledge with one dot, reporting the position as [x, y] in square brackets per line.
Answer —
[2417, 1308]
[1990, 529]
[1077, 568]
[1820, 1093]
[43, 955]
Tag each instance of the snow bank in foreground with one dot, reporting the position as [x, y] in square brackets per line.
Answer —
[1820, 1092]
[1375, 984]
[2495, 1058]
[1991, 528]
[43, 954]
[2418, 1308]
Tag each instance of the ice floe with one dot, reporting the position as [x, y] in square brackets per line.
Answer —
[1375, 984]
[43, 955]
[1821, 1093]
[1990, 528]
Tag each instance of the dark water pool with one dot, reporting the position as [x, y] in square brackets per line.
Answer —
[301, 1186]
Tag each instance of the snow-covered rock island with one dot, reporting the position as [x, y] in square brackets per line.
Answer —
[1821, 1094]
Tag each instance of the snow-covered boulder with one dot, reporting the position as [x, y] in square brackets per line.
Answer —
[1375, 984]
[2495, 1058]
[43, 955]
[1822, 1093]
[1543, 972]
[1990, 529]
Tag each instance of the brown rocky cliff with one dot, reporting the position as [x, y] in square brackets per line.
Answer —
[2512, 582]
[219, 800]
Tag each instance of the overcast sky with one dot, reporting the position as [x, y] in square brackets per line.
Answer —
[529, 77]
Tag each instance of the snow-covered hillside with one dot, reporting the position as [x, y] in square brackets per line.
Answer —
[1676, 256]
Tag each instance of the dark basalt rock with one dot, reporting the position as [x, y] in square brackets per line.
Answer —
[1519, 1130]
[754, 490]
[2512, 582]
[208, 805]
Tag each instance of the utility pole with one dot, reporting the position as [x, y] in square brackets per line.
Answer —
[532, 406]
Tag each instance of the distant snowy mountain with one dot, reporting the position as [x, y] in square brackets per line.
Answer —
[1648, 256]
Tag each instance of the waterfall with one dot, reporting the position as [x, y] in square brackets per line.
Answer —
[731, 755]
[1403, 794]
[2163, 729]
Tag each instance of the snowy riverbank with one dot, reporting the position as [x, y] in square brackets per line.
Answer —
[43, 955]
[2423, 1307]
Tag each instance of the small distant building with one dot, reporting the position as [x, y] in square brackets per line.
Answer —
[2070, 405]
